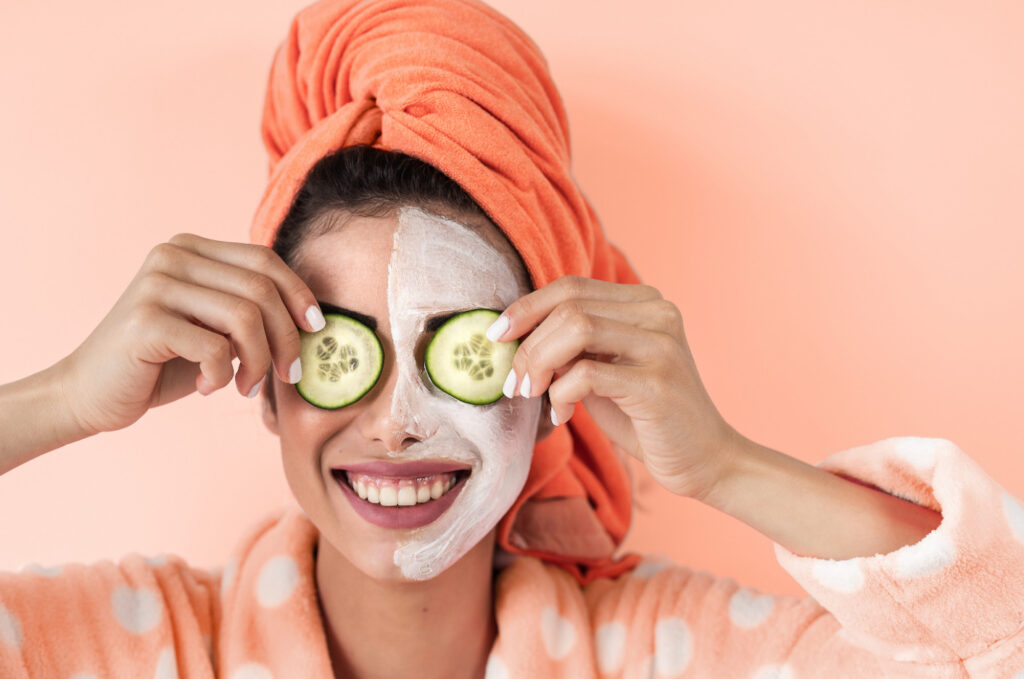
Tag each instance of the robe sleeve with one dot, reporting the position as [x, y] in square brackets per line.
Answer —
[956, 597]
[950, 606]
[140, 617]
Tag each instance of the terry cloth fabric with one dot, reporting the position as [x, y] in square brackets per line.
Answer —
[949, 606]
[458, 85]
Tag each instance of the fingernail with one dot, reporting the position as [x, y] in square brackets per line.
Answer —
[497, 328]
[315, 318]
[525, 390]
[295, 372]
[255, 389]
[554, 417]
[510, 384]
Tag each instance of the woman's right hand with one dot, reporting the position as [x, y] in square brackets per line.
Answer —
[195, 305]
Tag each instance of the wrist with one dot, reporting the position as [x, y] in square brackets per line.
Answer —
[35, 418]
[739, 458]
[67, 425]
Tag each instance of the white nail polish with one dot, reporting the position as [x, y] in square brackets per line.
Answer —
[295, 372]
[510, 384]
[315, 318]
[554, 417]
[497, 328]
[256, 389]
[525, 391]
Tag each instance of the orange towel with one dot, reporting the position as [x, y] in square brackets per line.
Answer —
[458, 85]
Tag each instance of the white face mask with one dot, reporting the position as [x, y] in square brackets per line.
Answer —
[436, 266]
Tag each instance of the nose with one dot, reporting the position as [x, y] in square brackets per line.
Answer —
[392, 416]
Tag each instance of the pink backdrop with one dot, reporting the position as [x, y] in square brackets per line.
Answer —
[831, 195]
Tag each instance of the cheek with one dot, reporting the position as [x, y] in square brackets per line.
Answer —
[301, 425]
[502, 432]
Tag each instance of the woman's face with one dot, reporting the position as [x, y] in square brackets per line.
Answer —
[402, 271]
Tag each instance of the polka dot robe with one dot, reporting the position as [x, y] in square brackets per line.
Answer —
[951, 605]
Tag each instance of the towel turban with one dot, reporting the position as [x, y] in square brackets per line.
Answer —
[457, 85]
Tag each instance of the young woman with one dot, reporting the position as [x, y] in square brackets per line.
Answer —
[456, 363]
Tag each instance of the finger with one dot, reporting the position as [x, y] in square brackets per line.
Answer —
[281, 332]
[296, 295]
[573, 316]
[530, 309]
[610, 380]
[236, 317]
[178, 380]
[163, 336]
[564, 336]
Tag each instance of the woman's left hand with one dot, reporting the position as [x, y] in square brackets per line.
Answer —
[621, 350]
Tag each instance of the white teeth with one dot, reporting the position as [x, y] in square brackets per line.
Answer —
[402, 492]
[406, 496]
[388, 496]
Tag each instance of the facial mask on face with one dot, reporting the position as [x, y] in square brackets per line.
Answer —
[438, 265]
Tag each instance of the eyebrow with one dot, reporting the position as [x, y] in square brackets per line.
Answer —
[329, 308]
[433, 323]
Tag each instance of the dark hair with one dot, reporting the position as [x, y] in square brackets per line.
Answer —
[369, 182]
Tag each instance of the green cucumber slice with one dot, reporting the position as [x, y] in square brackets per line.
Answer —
[339, 363]
[462, 362]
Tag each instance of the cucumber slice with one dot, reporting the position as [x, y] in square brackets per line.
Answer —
[462, 362]
[339, 363]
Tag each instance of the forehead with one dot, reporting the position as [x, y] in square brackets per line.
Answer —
[438, 260]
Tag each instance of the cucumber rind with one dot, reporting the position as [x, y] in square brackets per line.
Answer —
[354, 332]
[441, 350]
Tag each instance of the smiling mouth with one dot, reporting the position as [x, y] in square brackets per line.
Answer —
[389, 491]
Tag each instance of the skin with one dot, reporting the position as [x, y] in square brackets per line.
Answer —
[369, 605]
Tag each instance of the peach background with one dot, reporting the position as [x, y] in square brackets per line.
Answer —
[831, 195]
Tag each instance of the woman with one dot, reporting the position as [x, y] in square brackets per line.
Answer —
[419, 170]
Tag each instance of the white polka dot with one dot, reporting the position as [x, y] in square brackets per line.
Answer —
[774, 672]
[747, 609]
[51, 572]
[934, 552]
[610, 640]
[158, 560]
[558, 634]
[1019, 675]
[910, 653]
[10, 628]
[495, 668]
[167, 665]
[138, 610]
[1014, 515]
[841, 576]
[916, 451]
[252, 670]
[277, 581]
[228, 576]
[672, 646]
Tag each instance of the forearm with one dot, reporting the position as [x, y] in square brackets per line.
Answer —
[34, 419]
[812, 512]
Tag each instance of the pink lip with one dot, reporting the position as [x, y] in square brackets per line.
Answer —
[403, 470]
